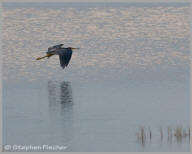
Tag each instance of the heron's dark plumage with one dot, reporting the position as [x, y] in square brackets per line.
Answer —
[54, 48]
[65, 56]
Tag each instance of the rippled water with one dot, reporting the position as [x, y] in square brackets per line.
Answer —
[116, 40]
[132, 69]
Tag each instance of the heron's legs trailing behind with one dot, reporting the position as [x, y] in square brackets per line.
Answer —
[48, 55]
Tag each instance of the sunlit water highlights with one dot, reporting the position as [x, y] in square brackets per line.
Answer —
[132, 70]
[120, 40]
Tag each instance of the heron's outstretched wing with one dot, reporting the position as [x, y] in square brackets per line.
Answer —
[65, 57]
[54, 48]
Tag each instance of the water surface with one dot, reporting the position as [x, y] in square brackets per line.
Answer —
[132, 69]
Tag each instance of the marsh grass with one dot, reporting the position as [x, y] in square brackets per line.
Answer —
[178, 134]
[143, 135]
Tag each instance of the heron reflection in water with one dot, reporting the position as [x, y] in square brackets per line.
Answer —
[64, 54]
[62, 88]
[60, 112]
[60, 100]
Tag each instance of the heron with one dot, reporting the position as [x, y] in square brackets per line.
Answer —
[64, 54]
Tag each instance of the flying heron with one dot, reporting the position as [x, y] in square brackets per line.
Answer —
[64, 54]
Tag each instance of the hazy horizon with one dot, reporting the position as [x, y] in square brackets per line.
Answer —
[164, 1]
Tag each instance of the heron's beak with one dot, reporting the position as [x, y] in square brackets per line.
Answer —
[48, 55]
[75, 48]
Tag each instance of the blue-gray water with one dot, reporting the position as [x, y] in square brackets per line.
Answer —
[132, 70]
